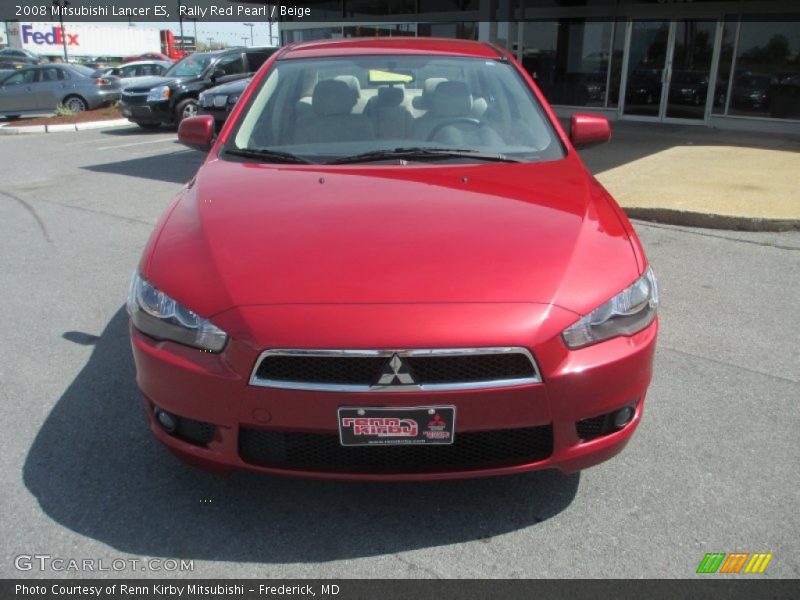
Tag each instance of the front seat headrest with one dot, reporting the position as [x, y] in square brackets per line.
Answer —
[333, 97]
[451, 99]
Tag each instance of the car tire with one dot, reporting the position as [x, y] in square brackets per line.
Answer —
[75, 103]
[149, 125]
[185, 109]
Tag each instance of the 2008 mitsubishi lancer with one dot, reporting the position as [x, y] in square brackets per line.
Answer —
[393, 264]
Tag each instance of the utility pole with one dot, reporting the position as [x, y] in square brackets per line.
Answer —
[61, 4]
[250, 25]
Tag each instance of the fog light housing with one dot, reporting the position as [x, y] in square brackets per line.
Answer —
[167, 421]
[624, 416]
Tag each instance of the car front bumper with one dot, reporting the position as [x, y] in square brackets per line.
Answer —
[150, 112]
[213, 392]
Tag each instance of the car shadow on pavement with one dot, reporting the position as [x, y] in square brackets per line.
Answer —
[136, 130]
[95, 468]
[175, 166]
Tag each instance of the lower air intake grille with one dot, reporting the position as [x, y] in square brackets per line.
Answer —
[322, 452]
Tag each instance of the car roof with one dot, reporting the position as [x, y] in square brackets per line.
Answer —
[134, 63]
[390, 45]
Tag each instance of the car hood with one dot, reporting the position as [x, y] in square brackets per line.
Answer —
[229, 88]
[248, 234]
[145, 84]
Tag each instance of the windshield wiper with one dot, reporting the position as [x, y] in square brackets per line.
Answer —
[269, 155]
[422, 153]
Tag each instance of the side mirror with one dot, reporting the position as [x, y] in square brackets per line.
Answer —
[217, 73]
[197, 132]
[588, 130]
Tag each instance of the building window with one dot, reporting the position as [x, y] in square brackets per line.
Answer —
[766, 77]
[463, 31]
[569, 59]
[368, 30]
[308, 35]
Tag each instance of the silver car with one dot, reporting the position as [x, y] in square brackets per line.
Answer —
[131, 72]
[39, 89]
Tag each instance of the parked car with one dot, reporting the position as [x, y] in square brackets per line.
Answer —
[148, 56]
[173, 97]
[688, 87]
[20, 55]
[751, 91]
[39, 89]
[220, 100]
[358, 285]
[131, 73]
[785, 97]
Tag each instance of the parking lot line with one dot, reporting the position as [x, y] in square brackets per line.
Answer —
[166, 139]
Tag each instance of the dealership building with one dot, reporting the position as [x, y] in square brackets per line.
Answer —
[718, 63]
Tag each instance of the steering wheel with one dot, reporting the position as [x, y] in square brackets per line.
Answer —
[454, 121]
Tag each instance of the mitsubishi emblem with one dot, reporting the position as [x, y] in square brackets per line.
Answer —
[396, 372]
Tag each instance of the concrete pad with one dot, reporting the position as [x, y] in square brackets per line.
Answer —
[724, 180]
[60, 127]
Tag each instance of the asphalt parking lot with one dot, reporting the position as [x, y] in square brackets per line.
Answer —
[714, 466]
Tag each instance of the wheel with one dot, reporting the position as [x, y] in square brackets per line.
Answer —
[75, 103]
[149, 125]
[185, 109]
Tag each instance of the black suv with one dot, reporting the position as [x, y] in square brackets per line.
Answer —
[173, 96]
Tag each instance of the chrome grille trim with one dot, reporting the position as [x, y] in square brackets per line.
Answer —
[255, 380]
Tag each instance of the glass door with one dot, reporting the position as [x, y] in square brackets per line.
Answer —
[668, 70]
[647, 63]
[690, 69]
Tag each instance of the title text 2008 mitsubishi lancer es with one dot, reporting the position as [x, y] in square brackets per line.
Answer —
[393, 265]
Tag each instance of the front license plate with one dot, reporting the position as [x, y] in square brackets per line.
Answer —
[397, 426]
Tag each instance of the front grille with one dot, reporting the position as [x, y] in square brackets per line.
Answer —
[134, 99]
[362, 370]
[322, 452]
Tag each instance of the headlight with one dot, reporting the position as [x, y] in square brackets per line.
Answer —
[158, 93]
[159, 316]
[233, 100]
[633, 309]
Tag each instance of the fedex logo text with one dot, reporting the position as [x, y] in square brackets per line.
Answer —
[381, 426]
[55, 37]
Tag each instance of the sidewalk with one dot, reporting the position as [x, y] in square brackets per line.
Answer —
[699, 176]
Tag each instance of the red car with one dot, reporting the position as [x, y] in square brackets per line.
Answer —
[393, 264]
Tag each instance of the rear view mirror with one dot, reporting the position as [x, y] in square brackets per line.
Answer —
[588, 130]
[197, 132]
[381, 77]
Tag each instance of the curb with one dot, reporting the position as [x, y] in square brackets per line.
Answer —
[58, 127]
[671, 216]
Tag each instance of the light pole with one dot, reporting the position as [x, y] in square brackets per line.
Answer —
[250, 25]
[61, 4]
[244, 40]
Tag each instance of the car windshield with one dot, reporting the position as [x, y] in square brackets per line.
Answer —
[407, 107]
[191, 66]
